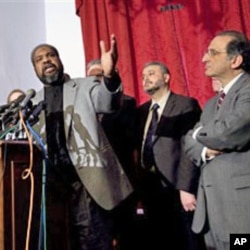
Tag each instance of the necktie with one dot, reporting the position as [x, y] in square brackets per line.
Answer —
[148, 156]
[221, 98]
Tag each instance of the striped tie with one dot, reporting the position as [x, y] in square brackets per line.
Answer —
[221, 98]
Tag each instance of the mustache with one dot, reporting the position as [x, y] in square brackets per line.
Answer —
[49, 65]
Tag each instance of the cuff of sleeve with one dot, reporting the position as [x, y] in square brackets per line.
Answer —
[204, 157]
[113, 83]
[196, 132]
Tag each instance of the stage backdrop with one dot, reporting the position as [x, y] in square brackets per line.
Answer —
[175, 32]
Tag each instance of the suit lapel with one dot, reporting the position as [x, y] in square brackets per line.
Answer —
[169, 105]
[238, 85]
[166, 112]
[143, 114]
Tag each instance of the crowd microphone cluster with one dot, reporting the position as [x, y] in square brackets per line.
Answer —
[10, 113]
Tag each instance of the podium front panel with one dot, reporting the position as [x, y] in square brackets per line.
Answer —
[20, 195]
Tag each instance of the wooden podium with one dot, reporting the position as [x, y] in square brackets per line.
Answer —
[16, 193]
[15, 204]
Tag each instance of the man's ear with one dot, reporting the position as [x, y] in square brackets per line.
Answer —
[237, 61]
[166, 77]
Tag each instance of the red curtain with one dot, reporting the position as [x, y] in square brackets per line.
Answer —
[175, 32]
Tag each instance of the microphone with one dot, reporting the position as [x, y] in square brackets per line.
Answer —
[11, 105]
[16, 102]
[7, 107]
[10, 118]
[29, 95]
[11, 113]
[11, 110]
[4, 107]
[33, 118]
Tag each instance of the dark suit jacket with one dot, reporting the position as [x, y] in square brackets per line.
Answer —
[119, 128]
[179, 115]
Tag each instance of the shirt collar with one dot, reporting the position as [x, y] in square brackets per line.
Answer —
[231, 83]
[162, 102]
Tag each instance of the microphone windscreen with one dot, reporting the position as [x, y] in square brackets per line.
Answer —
[29, 95]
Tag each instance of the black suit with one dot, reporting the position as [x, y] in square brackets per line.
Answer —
[120, 130]
[159, 188]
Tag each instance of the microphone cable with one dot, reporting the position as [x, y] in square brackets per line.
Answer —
[7, 130]
[27, 173]
[42, 230]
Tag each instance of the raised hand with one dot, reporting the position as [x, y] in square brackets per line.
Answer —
[109, 58]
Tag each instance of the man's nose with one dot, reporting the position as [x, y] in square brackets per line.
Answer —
[204, 58]
[46, 59]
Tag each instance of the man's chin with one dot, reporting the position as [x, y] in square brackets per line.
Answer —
[151, 91]
[208, 73]
[50, 79]
[47, 80]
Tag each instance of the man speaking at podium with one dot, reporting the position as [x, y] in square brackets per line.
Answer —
[82, 159]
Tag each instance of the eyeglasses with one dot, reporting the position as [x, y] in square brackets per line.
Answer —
[213, 52]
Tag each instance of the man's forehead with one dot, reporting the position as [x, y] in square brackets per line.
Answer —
[43, 49]
[220, 41]
[151, 68]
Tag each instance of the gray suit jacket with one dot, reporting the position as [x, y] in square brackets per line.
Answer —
[224, 189]
[88, 147]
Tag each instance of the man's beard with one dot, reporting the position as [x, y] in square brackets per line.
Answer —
[155, 88]
[53, 79]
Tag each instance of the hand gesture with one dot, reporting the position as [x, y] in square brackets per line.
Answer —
[109, 58]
